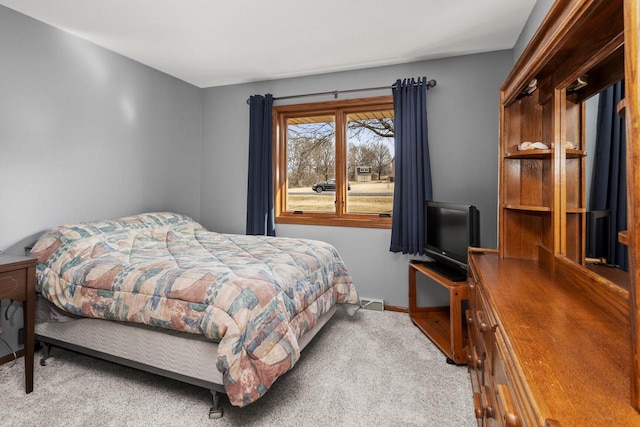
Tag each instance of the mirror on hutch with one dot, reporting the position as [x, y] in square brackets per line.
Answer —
[588, 240]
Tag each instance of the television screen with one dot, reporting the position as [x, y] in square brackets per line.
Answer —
[597, 235]
[450, 228]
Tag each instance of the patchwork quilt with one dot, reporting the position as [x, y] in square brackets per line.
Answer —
[257, 295]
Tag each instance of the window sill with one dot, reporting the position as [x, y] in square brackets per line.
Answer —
[368, 221]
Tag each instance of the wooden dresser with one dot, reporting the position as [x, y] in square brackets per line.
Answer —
[551, 341]
[541, 350]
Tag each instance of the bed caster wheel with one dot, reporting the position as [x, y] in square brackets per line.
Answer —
[46, 361]
[215, 413]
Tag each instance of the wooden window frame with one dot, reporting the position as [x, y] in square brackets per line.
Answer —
[340, 109]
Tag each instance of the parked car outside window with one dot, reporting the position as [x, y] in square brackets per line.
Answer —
[329, 185]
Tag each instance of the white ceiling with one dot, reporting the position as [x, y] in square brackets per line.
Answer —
[220, 42]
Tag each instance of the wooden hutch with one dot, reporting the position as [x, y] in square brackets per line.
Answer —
[551, 340]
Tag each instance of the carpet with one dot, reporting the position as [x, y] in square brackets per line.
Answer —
[373, 369]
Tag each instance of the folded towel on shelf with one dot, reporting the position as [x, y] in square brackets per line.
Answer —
[527, 145]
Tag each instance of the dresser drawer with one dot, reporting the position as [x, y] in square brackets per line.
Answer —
[514, 406]
[13, 285]
[486, 327]
[507, 408]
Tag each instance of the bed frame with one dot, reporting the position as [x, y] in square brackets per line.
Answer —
[180, 356]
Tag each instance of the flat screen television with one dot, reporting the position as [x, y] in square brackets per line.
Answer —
[597, 235]
[450, 228]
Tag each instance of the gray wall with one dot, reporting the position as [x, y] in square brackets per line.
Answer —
[537, 15]
[463, 135]
[87, 134]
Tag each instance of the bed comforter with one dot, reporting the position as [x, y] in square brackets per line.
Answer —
[256, 295]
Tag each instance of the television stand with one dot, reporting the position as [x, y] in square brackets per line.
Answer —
[443, 325]
[451, 273]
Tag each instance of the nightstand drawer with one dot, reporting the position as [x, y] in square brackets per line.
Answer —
[13, 285]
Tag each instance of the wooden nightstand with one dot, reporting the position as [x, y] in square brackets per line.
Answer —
[18, 282]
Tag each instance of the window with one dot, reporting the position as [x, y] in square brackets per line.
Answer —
[334, 163]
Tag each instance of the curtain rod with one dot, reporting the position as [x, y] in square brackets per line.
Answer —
[431, 83]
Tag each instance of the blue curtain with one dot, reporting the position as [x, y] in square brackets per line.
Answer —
[412, 166]
[609, 185]
[260, 212]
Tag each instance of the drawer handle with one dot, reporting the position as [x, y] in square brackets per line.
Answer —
[489, 410]
[483, 325]
[469, 317]
[509, 415]
[478, 362]
[472, 286]
[477, 406]
[474, 361]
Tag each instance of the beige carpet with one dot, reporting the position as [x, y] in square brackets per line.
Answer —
[375, 369]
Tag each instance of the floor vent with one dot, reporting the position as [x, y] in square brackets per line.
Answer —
[372, 304]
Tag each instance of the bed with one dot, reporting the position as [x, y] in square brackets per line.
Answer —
[159, 292]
